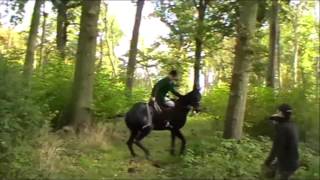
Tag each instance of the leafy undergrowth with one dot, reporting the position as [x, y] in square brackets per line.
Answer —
[103, 154]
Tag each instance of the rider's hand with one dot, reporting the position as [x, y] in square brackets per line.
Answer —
[153, 99]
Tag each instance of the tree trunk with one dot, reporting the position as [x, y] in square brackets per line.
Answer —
[206, 80]
[295, 60]
[78, 112]
[62, 22]
[199, 41]
[110, 48]
[240, 75]
[43, 34]
[273, 69]
[32, 41]
[133, 48]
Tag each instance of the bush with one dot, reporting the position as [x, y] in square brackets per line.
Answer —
[52, 85]
[262, 102]
[110, 99]
[21, 119]
[219, 158]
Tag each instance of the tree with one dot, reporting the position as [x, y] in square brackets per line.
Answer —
[32, 41]
[295, 59]
[197, 27]
[62, 7]
[240, 75]
[133, 48]
[273, 68]
[78, 111]
[201, 8]
[43, 34]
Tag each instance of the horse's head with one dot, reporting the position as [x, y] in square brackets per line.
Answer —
[193, 99]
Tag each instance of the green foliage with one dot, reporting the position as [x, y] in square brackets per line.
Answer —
[52, 84]
[262, 103]
[29, 151]
[63, 156]
[21, 118]
[110, 99]
[215, 101]
[229, 159]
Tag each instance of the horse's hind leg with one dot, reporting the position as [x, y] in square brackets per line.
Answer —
[143, 133]
[130, 142]
[183, 141]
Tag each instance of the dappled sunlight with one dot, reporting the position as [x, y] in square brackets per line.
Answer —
[169, 89]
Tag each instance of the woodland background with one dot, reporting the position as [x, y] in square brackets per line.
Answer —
[63, 72]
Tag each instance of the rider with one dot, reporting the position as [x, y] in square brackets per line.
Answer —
[161, 89]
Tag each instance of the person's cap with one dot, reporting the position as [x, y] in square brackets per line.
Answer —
[173, 73]
[285, 108]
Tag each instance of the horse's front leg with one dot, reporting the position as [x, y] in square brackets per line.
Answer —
[183, 141]
[173, 138]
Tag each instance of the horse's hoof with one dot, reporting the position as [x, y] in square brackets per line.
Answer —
[156, 164]
[131, 170]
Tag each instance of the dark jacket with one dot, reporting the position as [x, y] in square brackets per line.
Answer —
[285, 146]
[161, 89]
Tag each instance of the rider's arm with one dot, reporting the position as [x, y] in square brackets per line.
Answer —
[277, 146]
[174, 91]
[154, 91]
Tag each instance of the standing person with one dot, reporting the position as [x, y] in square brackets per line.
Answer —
[283, 158]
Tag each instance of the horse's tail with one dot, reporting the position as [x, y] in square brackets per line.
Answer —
[140, 114]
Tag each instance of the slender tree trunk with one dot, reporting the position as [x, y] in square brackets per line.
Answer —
[295, 61]
[206, 80]
[240, 75]
[43, 34]
[273, 69]
[112, 54]
[133, 48]
[101, 53]
[62, 23]
[110, 48]
[199, 41]
[32, 41]
[78, 112]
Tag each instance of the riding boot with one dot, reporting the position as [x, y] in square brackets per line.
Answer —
[168, 125]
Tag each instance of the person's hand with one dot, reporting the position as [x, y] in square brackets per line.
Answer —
[153, 99]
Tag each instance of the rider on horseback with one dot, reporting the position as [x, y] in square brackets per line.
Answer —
[160, 91]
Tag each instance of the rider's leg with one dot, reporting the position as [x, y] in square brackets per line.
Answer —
[169, 104]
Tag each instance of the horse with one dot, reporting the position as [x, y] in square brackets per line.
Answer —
[142, 118]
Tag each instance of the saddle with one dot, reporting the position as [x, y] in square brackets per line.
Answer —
[162, 114]
[158, 108]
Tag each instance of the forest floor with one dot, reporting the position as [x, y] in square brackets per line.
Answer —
[103, 154]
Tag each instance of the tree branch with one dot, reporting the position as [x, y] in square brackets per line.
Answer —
[73, 5]
[195, 4]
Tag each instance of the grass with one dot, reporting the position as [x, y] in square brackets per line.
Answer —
[103, 154]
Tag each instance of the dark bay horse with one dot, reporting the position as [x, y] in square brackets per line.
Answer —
[141, 119]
